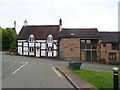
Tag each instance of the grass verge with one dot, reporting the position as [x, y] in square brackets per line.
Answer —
[100, 79]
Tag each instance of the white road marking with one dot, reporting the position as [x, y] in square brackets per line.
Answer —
[58, 73]
[13, 61]
[20, 68]
[6, 60]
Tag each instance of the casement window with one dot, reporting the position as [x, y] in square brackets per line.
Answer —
[31, 38]
[49, 49]
[50, 38]
[85, 44]
[82, 44]
[115, 46]
[88, 44]
[31, 49]
[112, 56]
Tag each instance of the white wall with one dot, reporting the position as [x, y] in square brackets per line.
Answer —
[31, 44]
[41, 40]
[54, 53]
[50, 54]
[25, 44]
[21, 40]
[20, 50]
[49, 44]
[43, 45]
[43, 53]
[55, 47]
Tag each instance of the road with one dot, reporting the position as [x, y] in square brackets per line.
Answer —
[31, 72]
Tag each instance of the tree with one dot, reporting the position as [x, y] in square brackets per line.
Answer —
[8, 39]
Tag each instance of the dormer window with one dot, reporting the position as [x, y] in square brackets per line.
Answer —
[72, 34]
[50, 38]
[31, 38]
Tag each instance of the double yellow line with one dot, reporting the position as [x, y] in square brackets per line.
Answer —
[57, 72]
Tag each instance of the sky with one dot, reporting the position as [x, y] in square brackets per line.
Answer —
[100, 14]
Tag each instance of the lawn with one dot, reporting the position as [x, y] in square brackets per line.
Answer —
[100, 79]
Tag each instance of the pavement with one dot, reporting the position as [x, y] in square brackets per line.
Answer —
[75, 80]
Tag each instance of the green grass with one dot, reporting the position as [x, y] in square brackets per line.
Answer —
[100, 79]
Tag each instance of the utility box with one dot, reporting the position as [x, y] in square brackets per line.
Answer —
[75, 65]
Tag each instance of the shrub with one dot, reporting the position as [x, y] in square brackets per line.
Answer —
[103, 60]
[114, 63]
[17, 53]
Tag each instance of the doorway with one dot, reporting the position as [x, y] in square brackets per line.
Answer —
[88, 56]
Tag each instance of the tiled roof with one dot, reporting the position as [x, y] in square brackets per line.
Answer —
[110, 36]
[39, 32]
[80, 33]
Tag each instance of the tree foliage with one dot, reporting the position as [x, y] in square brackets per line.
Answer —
[8, 38]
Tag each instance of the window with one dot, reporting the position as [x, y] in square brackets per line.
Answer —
[82, 42]
[88, 44]
[115, 46]
[104, 45]
[49, 49]
[43, 45]
[50, 38]
[94, 44]
[112, 56]
[31, 38]
[31, 49]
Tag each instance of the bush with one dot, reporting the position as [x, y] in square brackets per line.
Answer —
[17, 53]
[13, 46]
[114, 63]
[103, 60]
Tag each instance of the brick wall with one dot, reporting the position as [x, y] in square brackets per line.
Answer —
[69, 49]
[108, 49]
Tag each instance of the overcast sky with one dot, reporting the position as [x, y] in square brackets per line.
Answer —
[101, 14]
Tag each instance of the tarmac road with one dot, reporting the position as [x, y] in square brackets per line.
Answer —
[29, 72]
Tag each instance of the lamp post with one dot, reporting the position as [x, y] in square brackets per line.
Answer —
[115, 77]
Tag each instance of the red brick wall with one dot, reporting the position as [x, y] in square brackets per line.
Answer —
[108, 49]
[69, 49]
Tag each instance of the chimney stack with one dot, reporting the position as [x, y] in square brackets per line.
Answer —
[15, 25]
[60, 24]
[25, 22]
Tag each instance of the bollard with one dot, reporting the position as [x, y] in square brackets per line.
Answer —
[115, 78]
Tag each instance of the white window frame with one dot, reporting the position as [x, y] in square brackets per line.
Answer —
[49, 38]
[31, 38]
[31, 49]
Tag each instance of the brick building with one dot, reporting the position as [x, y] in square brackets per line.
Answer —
[86, 44]
[110, 46]
[79, 44]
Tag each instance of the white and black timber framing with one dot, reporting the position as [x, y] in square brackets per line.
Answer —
[39, 49]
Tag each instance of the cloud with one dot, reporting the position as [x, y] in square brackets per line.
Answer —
[75, 13]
